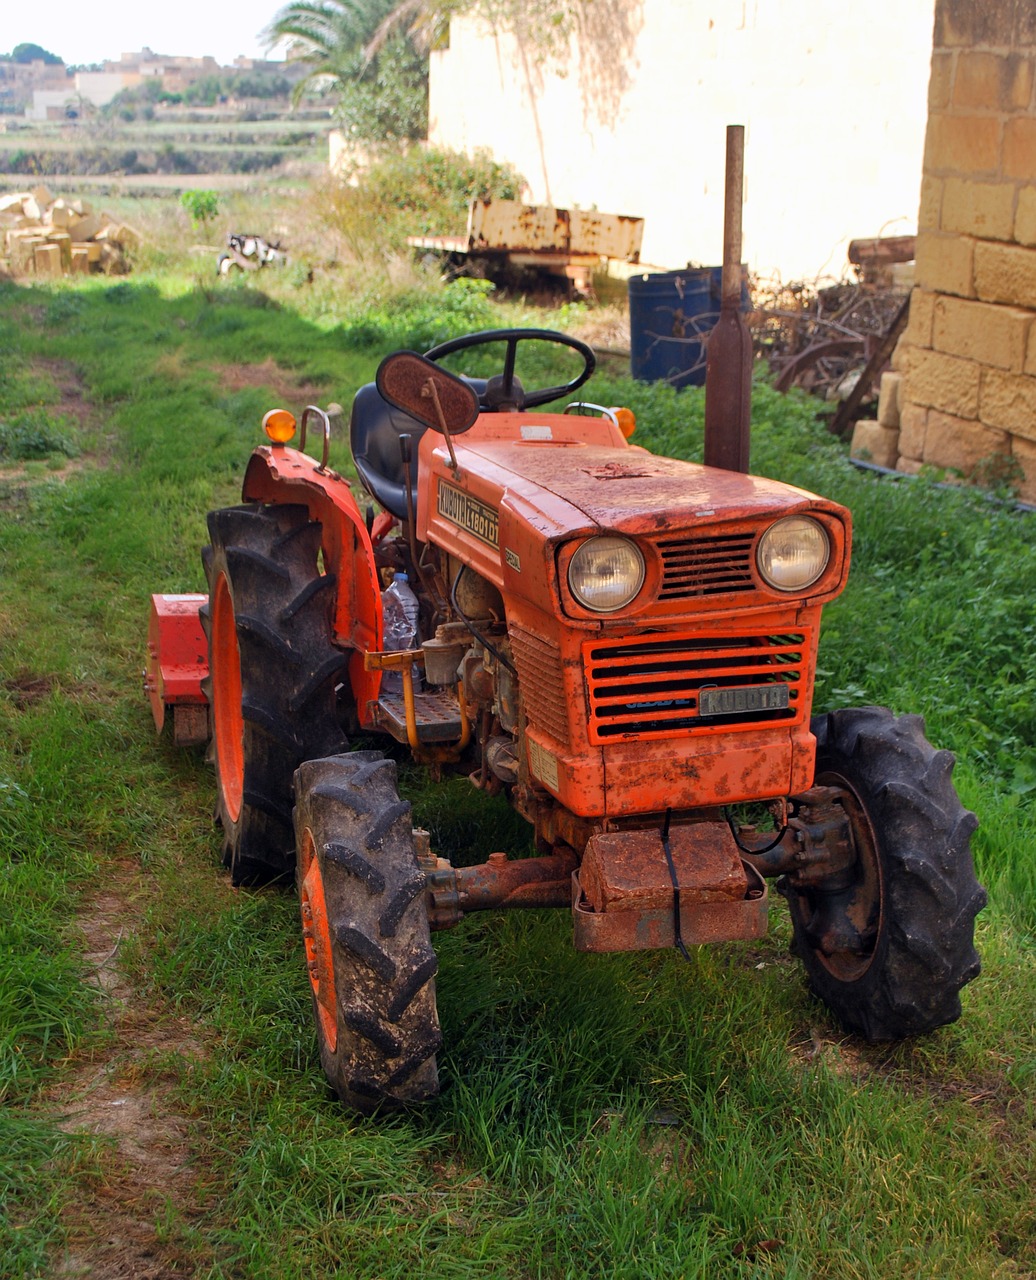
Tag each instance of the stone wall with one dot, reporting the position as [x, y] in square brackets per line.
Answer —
[968, 356]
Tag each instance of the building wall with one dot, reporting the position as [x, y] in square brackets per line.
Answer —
[51, 104]
[832, 99]
[99, 87]
[19, 80]
[968, 356]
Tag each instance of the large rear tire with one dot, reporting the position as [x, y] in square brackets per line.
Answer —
[365, 927]
[889, 947]
[273, 673]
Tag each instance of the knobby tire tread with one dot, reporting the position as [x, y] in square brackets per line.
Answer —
[925, 950]
[349, 812]
[282, 611]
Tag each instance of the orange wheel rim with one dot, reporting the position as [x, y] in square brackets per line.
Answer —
[866, 914]
[316, 935]
[228, 724]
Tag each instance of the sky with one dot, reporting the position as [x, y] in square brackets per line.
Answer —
[84, 33]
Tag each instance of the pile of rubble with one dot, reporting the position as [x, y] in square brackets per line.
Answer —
[55, 237]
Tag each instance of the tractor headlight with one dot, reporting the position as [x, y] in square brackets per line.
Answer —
[606, 573]
[793, 553]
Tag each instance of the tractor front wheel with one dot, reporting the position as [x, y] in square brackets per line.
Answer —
[365, 927]
[889, 945]
[273, 673]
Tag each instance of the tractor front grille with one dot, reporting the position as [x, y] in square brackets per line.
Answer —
[709, 565]
[543, 690]
[652, 686]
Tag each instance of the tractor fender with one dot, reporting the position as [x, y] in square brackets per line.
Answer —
[279, 474]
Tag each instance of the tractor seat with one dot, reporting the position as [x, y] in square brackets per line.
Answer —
[374, 433]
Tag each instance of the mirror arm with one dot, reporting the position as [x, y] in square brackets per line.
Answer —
[429, 389]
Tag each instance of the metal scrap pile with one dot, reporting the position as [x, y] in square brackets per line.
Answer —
[820, 336]
[248, 253]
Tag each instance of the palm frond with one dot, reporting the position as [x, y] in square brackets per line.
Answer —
[424, 21]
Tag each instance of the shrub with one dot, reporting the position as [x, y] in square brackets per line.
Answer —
[419, 191]
[34, 434]
[201, 206]
[417, 319]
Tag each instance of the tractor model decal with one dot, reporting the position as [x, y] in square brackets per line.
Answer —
[468, 513]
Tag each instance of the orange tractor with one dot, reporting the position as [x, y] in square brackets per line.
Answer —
[623, 644]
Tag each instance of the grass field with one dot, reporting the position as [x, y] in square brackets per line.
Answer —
[601, 1116]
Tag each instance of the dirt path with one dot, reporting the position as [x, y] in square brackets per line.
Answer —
[124, 1227]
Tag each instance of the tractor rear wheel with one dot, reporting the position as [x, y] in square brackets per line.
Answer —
[365, 927]
[272, 676]
[889, 946]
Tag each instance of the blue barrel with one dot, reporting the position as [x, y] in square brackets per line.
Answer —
[671, 315]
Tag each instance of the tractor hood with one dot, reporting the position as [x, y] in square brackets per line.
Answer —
[513, 507]
[628, 490]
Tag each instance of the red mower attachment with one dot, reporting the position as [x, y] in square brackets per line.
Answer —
[177, 662]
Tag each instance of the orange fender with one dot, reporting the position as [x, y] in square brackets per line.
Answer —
[280, 474]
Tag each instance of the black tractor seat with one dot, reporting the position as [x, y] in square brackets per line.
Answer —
[374, 432]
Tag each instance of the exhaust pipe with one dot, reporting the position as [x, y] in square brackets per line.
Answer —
[728, 355]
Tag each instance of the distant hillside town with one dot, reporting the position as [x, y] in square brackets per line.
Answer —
[42, 89]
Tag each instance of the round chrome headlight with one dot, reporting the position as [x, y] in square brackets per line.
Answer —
[793, 553]
[606, 573]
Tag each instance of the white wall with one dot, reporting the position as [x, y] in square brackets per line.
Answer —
[99, 87]
[43, 100]
[833, 98]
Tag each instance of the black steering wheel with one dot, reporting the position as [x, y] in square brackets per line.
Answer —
[505, 391]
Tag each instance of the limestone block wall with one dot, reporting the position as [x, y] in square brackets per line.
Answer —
[968, 355]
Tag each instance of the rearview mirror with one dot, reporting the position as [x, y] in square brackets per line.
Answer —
[421, 388]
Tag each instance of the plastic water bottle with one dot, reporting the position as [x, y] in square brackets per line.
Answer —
[399, 613]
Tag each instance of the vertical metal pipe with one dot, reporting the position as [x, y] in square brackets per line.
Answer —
[728, 356]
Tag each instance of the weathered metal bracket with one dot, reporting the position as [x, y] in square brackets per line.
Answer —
[817, 845]
[496, 884]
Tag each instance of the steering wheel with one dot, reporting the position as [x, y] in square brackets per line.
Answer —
[505, 390]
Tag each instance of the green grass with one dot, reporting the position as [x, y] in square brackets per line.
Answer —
[601, 1116]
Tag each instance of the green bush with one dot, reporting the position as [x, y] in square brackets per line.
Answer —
[202, 206]
[419, 191]
[34, 434]
[419, 319]
[387, 101]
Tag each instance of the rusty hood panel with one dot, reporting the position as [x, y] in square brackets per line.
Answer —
[631, 489]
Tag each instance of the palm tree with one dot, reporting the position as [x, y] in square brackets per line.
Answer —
[381, 91]
[328, 35]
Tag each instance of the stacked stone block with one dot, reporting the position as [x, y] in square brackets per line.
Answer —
[968, 355]
[878, 441]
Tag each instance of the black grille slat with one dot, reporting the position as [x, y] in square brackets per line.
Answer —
[745, 666]
[652, 685]
[705, 566]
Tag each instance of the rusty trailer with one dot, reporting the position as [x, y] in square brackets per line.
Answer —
[570, 243]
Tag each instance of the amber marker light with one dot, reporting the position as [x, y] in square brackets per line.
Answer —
[627, 421]
[279, 425]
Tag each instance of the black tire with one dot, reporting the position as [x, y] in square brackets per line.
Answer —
[889, 951]
[272, 676]
[365, 926]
